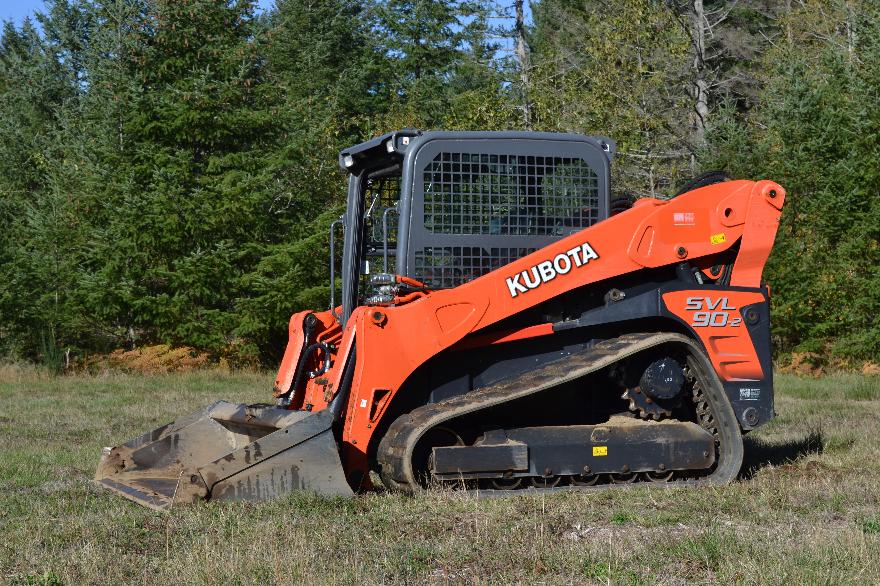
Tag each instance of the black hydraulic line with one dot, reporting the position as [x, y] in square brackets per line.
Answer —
[336, 405]
[302, 362]
[724, 280]
[321, 369]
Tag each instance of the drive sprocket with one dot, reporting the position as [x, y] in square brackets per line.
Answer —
[644, 406]
[702, 407]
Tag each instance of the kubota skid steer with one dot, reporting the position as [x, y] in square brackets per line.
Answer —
[499, 328]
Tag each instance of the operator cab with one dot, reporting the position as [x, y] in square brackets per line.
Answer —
[444, 208]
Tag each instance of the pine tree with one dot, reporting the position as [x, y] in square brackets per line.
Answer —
[32, 86]
[105, 144]
[813, 132]
[481, 95]
[616, 68]
[327, 73]
[424, 42]
[37, 218]
[191, 192]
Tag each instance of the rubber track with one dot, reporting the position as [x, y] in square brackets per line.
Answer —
[396, 448]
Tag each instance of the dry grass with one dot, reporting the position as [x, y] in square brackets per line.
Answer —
[806, 510]
[158, 359]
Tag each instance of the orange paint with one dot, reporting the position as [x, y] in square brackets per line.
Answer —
[646, 236]
[721, 328]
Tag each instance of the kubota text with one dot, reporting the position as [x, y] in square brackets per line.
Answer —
[550, 269]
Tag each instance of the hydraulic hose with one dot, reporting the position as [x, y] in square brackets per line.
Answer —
[300, 366]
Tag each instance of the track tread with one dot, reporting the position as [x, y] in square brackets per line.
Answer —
[396, 447]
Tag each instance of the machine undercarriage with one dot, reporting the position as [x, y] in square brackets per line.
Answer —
[537, 430]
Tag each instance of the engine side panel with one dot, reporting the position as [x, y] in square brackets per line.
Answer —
[734, 328]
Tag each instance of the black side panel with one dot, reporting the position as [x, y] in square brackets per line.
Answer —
[458, 372]
[636, 307]
[752, 401]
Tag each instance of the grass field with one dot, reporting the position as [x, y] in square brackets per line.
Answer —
[807, 509]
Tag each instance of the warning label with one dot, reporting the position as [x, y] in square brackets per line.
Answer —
[684, 218]
[749, 394]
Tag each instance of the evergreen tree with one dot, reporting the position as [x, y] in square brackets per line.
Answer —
[481, 95]
[106, 143]
[191, 192]
[429, 56]
[327, 72]
[616, 68]
[32, 88]
[813, 132]
[37, 218]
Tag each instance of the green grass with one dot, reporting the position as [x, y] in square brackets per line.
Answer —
[805, 512]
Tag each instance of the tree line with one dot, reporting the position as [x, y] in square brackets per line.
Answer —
[168, 167]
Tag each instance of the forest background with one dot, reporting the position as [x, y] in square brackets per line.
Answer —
[168, 168]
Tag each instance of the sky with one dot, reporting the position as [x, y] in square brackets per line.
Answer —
[17, 10]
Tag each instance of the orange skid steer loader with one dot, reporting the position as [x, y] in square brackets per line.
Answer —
[503, 325]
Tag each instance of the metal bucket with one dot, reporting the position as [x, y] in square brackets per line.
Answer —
[227, 452]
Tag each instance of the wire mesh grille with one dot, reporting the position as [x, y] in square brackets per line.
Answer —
[482, 193]
[382, 192]
[449, 266]
[499, 195]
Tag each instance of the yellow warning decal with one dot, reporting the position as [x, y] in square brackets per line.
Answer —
[600, 450]
[719, 238]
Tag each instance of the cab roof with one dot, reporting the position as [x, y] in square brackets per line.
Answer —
[388, 150]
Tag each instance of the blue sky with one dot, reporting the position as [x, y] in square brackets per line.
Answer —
[17, 10]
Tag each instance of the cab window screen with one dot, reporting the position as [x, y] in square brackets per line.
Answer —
[441, 267]
[382, 193]
[498, 194]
